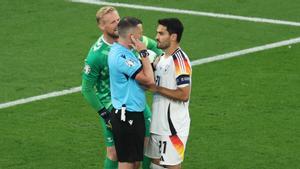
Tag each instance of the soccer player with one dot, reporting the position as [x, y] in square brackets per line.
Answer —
[127, 72]
[170, 123]
[95, 78]
[151, 45]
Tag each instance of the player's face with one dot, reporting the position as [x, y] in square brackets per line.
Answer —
[109, 24]
[162, 37]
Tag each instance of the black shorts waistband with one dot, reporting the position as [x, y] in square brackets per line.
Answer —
[119, 110]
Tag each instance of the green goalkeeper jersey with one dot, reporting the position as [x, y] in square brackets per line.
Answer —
[95, 77]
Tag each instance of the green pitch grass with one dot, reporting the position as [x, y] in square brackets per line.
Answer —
[244, 111]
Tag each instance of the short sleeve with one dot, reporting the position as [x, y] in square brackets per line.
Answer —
[129, 65]
[182, 69]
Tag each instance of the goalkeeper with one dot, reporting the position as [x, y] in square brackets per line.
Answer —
[95, 79]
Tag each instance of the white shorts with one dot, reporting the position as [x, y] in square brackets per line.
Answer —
[169, 149]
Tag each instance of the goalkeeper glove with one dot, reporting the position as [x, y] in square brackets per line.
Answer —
[104, 113]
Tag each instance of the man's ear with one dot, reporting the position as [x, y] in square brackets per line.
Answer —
[173, 37]
[100, 25]
[129, 36]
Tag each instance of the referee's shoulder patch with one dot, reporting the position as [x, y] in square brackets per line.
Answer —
[130, 62]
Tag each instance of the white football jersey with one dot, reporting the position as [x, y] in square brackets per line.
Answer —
[170, 117]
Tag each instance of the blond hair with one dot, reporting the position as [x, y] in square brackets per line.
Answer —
[103, 11]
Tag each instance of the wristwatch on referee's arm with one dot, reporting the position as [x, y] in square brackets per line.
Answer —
[144, 53]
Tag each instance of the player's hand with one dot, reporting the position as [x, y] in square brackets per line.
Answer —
[104, 113]
[137, 44]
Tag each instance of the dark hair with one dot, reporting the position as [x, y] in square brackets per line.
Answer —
[173, 25]
[139, 21]
[127, 23]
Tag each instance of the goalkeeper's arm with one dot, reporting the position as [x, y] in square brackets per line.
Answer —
[90, 96]
[89, 93]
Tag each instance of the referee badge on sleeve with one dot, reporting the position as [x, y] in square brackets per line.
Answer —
[129, 62]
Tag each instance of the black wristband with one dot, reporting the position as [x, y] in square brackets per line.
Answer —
[144, 53]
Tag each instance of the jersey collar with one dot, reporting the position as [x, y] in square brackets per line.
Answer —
[105, 41]
[175, 51]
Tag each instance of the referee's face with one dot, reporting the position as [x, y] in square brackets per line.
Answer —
[162, 37]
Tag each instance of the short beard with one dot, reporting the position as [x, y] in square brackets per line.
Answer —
[163, 47]
[112, 35]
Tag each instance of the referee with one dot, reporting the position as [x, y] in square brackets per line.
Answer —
[127, 74]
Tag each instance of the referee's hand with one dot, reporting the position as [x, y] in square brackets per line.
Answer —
[137, 44]
[104, 113]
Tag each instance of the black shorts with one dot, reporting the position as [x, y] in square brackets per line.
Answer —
[128, 135]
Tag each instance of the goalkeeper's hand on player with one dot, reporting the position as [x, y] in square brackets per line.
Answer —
[104, 113]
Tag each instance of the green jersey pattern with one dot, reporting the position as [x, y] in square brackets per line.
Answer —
[95, 77]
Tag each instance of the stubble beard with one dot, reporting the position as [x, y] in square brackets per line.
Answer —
[163, 46]
[113, 35]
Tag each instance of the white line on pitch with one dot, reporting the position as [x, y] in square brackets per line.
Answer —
[40, 97]
[191, 12]
[245, 51]
[194, 63]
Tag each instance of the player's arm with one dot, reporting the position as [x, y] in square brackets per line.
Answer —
[180, 94]
[89, 78]
[89, 93]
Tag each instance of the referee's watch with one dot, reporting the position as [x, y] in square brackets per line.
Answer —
[144, 53]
